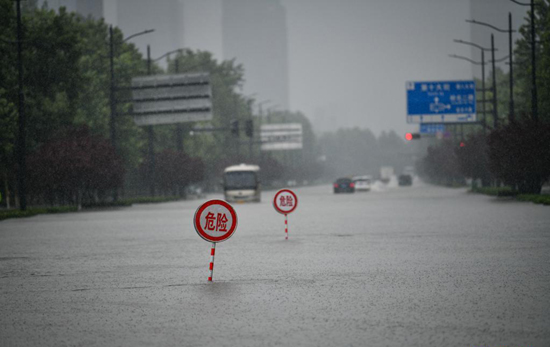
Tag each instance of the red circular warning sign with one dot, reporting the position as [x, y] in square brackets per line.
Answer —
[215, 221]
[285, 201]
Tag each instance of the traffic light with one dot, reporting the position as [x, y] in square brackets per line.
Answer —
[412, 136]
[249, 128]
[235, 128]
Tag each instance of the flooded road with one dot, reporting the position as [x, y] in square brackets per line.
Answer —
[415, 266]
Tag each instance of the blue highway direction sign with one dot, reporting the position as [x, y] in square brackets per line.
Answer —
[441, 102]
[432, 128]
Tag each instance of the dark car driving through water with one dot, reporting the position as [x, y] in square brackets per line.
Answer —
[344, 185]
[405, 180]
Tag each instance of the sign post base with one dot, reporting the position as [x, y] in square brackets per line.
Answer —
[212, 253]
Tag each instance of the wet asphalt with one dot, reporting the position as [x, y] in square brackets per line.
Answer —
[411, 266]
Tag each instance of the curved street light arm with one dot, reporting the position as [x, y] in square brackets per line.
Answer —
[520, 3]
[501, 59]
[138, 34]
[464, 58]
[473, 21]
[474, 45]
[168, 53]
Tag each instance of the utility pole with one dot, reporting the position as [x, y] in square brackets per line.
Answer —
[237, 116]
[251, 138]
[179, 126]
[512, 115]
[510, 31]
[495, 110]
[482, 49]
[21, 139]
[534, 99]
[112, 92]
[483, 90]
[151, 138]
[112, 101]
[260, 117]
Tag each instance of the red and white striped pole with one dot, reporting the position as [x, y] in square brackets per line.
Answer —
[286, 226]
[212, 253]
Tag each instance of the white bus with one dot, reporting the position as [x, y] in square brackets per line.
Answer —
[242, 183]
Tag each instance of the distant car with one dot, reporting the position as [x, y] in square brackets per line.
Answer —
[362, 183]
[344, 185]
[405, 180]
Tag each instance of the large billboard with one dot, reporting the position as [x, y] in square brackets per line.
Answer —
[441, 102]
[169, 99]
[284, 136]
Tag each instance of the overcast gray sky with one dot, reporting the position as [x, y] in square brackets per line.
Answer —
[350, 59]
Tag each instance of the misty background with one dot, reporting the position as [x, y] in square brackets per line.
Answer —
[341, 63]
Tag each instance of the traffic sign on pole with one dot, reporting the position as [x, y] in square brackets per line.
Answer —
[441, 102]
[285, 201]
[215, 221]
[432, 129]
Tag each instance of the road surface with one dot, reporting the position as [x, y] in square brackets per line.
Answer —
[415, 266]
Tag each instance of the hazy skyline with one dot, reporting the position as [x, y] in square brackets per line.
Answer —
[348, 60]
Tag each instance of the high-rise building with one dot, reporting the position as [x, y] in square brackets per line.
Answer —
[86, 8]
[202, 26]
[253, 32]
[255, 35]
[92, 8]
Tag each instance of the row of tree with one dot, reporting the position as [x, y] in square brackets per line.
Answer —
[66, 83]
[517, 153]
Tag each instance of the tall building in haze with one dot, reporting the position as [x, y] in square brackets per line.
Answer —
[253, 32]
[202, 26]
[93, 8]
[255, 35]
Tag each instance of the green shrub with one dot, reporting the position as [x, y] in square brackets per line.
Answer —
[537, 199]
[63, 209]
[495, 191]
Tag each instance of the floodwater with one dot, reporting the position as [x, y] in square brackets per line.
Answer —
[411, 266]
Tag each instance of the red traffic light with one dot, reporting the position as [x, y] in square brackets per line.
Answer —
[411, 136]
[462, 144]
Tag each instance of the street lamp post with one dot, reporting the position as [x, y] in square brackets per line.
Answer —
[22, 121]
[534, 97]
[495, 109]
[250, 101]
[151, 138]
[261, 116]
[112, 91]
[112, 96]
[150, 129]
[482, 63]
[534, 101]
[483, 49]
[112, 102]
[179, 128]
[511, 115]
